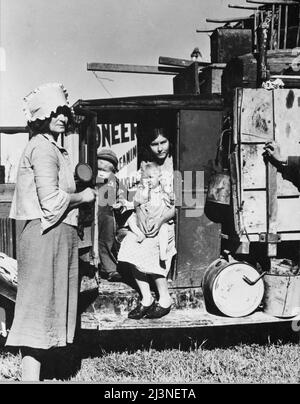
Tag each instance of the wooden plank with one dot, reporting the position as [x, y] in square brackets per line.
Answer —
[204, 31]
[272, 27]
[165, 60]
[255, 31]
[138, 69]
[237, 155]
[279, 25]
[272, 207]
[254, 211]
[257, 116]
[253, 166]
[276, 2]
[289, 81]
[12, 130]
[287, 115]
[235, 197]
[177, 319]
[288, 214]
[272, 204]
[286, 77]
[243, 7]
[228, 20]
[286, 13]
[187, 82]
[285, 236]
[237, 106]
[163, 102]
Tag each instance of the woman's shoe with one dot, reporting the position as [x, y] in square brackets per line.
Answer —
[140, 311]
[157, 311]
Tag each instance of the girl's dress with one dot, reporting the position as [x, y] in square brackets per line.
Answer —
[145, 256]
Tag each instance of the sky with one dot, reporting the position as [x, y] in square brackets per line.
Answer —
[53, 40]
[45, 41]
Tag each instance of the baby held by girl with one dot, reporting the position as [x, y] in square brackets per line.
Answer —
[151, 201]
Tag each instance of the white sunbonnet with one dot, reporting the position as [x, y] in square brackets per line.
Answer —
[44, 100]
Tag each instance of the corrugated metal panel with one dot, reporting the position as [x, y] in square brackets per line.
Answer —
[7, 236]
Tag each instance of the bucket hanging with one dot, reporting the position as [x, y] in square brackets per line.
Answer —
[219, 188]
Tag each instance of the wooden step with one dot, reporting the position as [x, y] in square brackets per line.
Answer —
[177, 319]
[105, 308]
[119, 298]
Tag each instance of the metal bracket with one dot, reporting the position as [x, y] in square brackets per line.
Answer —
[270, 238]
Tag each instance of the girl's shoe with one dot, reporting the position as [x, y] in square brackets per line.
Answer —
[140, 311]
[157, 311]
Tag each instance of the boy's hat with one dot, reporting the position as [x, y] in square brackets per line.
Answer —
[44, 100]
[108, 155]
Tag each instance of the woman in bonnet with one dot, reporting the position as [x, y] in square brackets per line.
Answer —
[45, 197]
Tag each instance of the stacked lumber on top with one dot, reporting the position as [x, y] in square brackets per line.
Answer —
[243, 71]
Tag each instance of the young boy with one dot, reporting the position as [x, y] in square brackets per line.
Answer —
[152, 201]
[110, 202]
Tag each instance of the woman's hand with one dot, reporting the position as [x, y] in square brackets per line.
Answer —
[88, 195]
[273, 153]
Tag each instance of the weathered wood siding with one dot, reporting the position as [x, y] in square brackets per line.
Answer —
[262, 116]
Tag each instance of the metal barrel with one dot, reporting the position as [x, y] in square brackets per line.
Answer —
[226, 291]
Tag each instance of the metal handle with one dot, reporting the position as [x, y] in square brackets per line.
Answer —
[252, 283]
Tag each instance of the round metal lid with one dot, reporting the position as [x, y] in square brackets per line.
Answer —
[232, 295]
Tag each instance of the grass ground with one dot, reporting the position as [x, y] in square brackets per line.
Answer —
[273, 363]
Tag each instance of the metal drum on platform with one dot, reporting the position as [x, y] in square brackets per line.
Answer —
[227, 288]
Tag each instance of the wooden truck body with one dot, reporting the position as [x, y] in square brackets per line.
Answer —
[201, 236]
[207, 102]
[197, 122]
